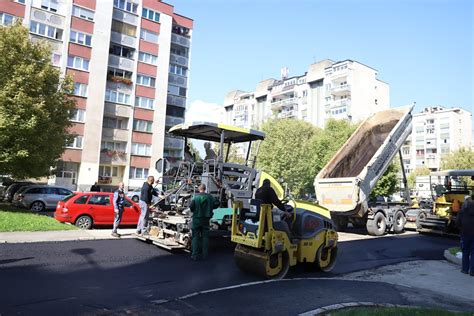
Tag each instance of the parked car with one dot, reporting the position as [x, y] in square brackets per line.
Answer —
[13, 188]
[85, 209]
[39, 197]
[134, 195]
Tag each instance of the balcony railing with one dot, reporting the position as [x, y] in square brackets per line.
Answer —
[113, 157]
[122, 16]
[123, 39]
[115, 134]
[121, 62]
[180, 40]
[115, 109]
[175, 100]
[341, 88]
[173, 143]
[291, 102]
[172, 120]
[178, 80]
[287, 114]
[179, 60]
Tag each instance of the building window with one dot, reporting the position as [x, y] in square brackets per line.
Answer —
[183, 31]
[115, 72]
[20, 1]
[141, 149]
[175, 111]
[56, 59]
[46, 30]
[83, 13]
[150, 15]
[147, 58]
[78, 115]
[179, 50]
[78, 62]
[126, 5]
[122, 51]
[143, 102]
[178, 70]
[138, 173]
[124, 28]
[118, 146]
[175, 90]
[80, 89]
[146, 81]
[80, 38]
[51, 5]
[119, 123]
[142, 126]
[117, 97]
[76, 143]
[149, 36]
[6, 19]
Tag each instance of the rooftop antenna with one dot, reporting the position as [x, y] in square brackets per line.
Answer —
[284, 73]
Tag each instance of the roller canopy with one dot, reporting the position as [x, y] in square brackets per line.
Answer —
[212, 132]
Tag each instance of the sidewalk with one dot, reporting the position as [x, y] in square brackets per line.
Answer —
[63, 235]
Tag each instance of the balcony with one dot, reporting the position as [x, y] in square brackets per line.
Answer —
[175, 100]
[123, 39]
[344, 102]
[431, 144]
[341, 89]
[48, 17]
[172, 120]
[179, 60]
[119, 86]
[287, 114]
[113, 157]
[180, 40]
[173, 143]
[115, 134]
[177, 80]
[122, 16]
[286, 103]
[121, 62]
[114, 109]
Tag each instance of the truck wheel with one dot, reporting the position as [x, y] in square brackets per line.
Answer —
[340, 222]
[399, 222]
[377, 225]
[421, 216]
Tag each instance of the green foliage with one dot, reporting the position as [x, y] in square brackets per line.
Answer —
[327, 142]
[234, 155]
[286, 153]
[420, 171]
[34, 106]
[388, 183]
[194, 151]
[462, 158]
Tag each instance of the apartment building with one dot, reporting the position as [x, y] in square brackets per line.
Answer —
[129, 60]
[342, 90]
[436, 131]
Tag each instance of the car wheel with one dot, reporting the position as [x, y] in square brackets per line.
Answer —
[37, 206]
[84, 222]
[135, 198]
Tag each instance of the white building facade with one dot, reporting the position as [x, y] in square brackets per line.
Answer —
[341, 90]
[436, 131]
[129, 60]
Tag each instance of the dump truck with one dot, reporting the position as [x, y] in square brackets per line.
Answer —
[344, 184]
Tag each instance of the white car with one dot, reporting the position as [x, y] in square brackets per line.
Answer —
[134, 195]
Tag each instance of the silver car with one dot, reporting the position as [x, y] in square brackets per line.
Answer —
[39, 197]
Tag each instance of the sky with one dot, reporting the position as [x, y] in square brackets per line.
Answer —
[422, 49]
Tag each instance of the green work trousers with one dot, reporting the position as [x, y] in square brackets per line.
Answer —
[200, 242]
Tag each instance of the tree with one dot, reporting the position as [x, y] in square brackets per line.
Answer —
[388, 183]
[463, 158]
[194, 151]
[286, 153]
[420, 171]
[34, 106]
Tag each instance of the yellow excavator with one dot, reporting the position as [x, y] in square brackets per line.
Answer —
[269, 246]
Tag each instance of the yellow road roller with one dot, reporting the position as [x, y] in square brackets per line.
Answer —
[269, 246]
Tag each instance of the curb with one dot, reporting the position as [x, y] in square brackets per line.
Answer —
[451, 258]
[334, 307]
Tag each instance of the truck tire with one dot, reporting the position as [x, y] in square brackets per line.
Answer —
[377, 225]
[399, 222]
[340, 222]
[421, 216]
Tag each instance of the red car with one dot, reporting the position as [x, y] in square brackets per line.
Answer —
[85, 209]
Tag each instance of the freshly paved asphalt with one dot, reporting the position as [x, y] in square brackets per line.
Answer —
[103, 276]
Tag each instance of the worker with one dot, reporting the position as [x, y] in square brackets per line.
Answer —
[202, 206]
[267, 195]
[119, 204]
[465, 222]
[146, 195]
[188, 155]
[95, 187]
[210, 154]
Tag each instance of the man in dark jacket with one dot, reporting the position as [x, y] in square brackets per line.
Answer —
[95, 188]
[267, 195]
[465, 222]
[146, 196]
[119, 205]
[202, 206]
